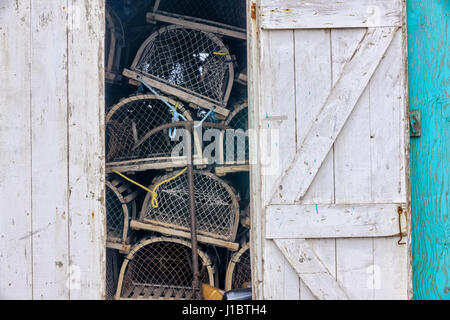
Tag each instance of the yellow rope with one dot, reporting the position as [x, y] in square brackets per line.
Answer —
[152, 192]
[220, 53]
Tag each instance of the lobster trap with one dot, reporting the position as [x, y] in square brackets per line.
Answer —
[136, 138]
[239, 273]
[114, 44]
[112, 273]
[224, 17]
[191, 64]
[236, 143]
[216, 209]
[120, 209]
[161, 268]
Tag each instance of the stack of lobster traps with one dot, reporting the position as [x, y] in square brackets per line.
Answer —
[177, 151]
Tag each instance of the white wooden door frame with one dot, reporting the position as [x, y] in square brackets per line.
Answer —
[368, 220]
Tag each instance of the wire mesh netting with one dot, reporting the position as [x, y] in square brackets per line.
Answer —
[236, 142]
[216, 206]
[130, 120]
[229, 12]
[114, 42]
[239, 273]
[161, 268]
[192, 60]
[112, 273]
[114, 214]
[120, 208]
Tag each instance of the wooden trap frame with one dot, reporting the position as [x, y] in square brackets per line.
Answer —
[161, 268]
[188, 63]
[137, 139]
[216, 209]
[235, 143]
[223, 17]
[239, 271]
[114, 44]
[120, 209]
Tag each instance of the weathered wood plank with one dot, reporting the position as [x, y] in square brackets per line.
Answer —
[334, 114]
[277, 98]
[332, 221]
[86, 149]
[192, 23]
[182, 94]
[386, 127]
[313, 84]
[15, 151]
[311, 269]
[355, 267]
[352, 162]
[277, 134]
[323, 14]
[49, 149]
[429, 74]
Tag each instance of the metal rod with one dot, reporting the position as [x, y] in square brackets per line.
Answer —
[190, 173]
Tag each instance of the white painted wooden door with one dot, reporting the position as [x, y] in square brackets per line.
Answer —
[52, 215]
[329, 164]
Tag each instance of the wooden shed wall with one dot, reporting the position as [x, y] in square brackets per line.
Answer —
[51, 149]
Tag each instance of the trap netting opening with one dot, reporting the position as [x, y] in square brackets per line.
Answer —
[114, 214]
[114, 43]
[112, 273]
[239, 272]
[161, 268]
[192, 60]
[120, 209]
[216, 205]
[236, 143]
[228, 12]
[131, 119]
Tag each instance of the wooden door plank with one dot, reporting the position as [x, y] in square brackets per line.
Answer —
[353, 182]
[86, 149]
[334, 114]
[50, 150]
[352, 162]
[15, 151]
[323, 14]
[387, 127]
[313, 85]
[311, 269]
[280, 279]
[332, 221]
[355, 267]
[312, 70]
[277, 134]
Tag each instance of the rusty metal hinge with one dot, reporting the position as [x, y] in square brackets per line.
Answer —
[253, 11]
[415, 122]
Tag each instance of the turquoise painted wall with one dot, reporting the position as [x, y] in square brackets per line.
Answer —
[429, 91]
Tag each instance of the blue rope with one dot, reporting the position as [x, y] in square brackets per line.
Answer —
[205, 117]
[175, 114]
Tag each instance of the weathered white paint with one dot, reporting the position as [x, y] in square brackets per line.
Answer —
[321, 14]
[15, 151]
[332, 221]
[49, 149]
[311, 269]
[346, 174]
[52, 145]
[333, 115]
